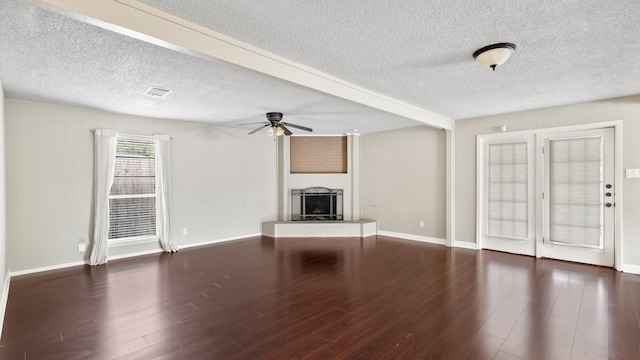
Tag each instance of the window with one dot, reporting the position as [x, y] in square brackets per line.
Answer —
[575, 191]
[132, 200]
[508, 190]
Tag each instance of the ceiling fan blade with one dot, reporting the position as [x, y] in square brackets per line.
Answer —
[258, 129]
[287, 132]
[298, 126]
[253, 123]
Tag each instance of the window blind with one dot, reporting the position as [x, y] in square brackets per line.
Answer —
[575, 185]
[132, 200]
[508, 190]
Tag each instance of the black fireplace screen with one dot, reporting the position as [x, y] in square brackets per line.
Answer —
[316, 204]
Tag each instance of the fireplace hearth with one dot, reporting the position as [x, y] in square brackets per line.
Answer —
[316, 204]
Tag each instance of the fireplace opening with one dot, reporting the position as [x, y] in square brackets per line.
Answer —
[316, 204]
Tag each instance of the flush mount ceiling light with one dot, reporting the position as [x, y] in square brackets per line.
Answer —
[494, 55]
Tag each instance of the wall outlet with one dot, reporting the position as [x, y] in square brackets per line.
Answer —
[421, 224]
[185, 231]
[632, 173]
[82, 246]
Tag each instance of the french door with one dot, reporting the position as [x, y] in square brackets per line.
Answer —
[579, 196]
[508, 195]
[548, 195]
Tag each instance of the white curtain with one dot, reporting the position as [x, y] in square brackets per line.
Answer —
[163, 225]
[105, 158]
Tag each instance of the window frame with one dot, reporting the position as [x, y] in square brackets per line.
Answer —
[141, 239]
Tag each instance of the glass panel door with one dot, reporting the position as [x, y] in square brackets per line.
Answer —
[580, 196]
[508, 203]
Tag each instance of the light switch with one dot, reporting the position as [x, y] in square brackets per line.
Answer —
[633, 173]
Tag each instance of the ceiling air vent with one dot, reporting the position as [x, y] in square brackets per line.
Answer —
[157, 92]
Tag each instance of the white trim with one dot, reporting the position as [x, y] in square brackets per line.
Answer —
[551, 130]
[136, 137]
[480, 193]
[117, 257]
[132, 241]
[180, 247]
[130, 255]
[47, 268]
[618, 244]
[465, 245]
[430, 240]
[450, 179]
[134, 196]
[413, 237]
[4, 299]
[136, 20]
[539, 188]
[631, 269]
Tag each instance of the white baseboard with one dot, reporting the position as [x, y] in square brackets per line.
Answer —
[4, 299]
[46, 268]
[431, 240]
[186, 246]
[412, 237]
[632, 269]
[117, 257]
[465, 245]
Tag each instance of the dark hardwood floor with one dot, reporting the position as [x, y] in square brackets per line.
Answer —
[373, 298]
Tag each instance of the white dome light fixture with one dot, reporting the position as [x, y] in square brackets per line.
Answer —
[494, 55]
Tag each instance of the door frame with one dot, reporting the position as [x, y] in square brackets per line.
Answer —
[481, 141]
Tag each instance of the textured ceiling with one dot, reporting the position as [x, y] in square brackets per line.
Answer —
[420, 51]
[416, 51]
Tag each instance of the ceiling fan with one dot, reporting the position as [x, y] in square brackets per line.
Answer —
[276, 126]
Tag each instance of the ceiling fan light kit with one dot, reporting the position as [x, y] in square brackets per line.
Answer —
[494, 55]
[277, 131]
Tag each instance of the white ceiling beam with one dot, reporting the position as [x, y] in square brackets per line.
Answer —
[149, 24]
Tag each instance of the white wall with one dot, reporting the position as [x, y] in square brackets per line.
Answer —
[625, 109]
[223, 181]
[403, 180]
